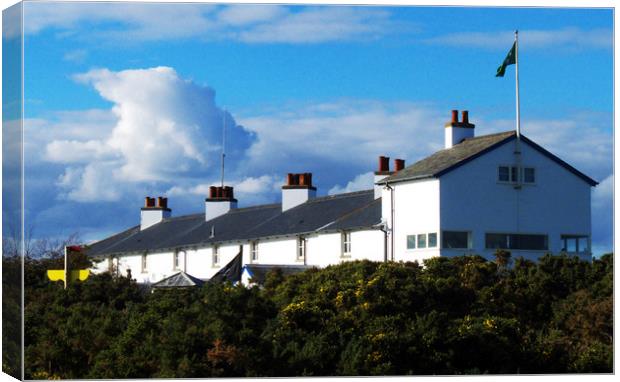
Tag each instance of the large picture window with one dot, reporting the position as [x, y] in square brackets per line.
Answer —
[516, 241]
[456, 239]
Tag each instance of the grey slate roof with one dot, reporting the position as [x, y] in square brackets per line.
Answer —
[447, 160]
[258, 272]
[179, 280]
[345, 211]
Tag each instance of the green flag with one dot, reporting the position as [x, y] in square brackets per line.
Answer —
[509, 60]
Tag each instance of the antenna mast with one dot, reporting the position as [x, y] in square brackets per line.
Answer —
[223, 143]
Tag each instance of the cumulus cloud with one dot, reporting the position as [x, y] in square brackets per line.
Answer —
[363, 181]
[571, 38]
[165, 128]
[251, 23]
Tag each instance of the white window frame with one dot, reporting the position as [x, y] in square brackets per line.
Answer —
[345, 240]
[215, 256]
[523, 174]
[302, 248]
[520, 174]
[421, 236]
[253, 251]
[176, 260]
[564, 237]
[415, 242]
[144, 265]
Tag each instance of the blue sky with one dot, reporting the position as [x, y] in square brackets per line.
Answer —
[126, 100]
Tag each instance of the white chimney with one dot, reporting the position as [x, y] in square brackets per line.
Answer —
[457, 131]
[152, 214]
[297, 190]
[219, 202]
[384, 172]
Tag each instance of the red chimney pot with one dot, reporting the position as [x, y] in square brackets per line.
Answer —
[455, 116]
[465, 116]
[399, 164]
[384, 164]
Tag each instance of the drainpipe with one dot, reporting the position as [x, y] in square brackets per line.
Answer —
[384, 229]
[387, 185]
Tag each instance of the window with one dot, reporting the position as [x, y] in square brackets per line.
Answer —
[301, 248]
[511, 174]
[254, 251]
[504, 174]
[216, 255]
[516, 241]
[575, 243]
[144, 264]
[514, 174]
[411, 241]
[456, 239]
[422, 240]
[432, 240]
[529, 175]
[346, 244]
[175, 260]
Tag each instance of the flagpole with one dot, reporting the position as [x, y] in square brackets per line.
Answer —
[517, 82]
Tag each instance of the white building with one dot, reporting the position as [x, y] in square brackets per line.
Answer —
[477, 195]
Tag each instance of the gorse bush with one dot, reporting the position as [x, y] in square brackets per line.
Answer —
[461, 315]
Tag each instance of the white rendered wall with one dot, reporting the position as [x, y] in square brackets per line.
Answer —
[416, 211]
[150, 217]
[215, 208]
[472, 199]
[455, 135]
[292, 197]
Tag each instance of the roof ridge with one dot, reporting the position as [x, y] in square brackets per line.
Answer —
[336, 196]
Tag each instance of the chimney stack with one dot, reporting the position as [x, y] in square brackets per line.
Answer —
[297, 190]
[382, 172]
[221, 200]
[455, 131]
[152, 214]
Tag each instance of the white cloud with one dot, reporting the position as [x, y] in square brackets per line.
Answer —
[252, 23]
[86, 184]
[346, 135]
[360, 182]
[602, 195]
[245, 14]
[315, 25]
[70, 151]
[135, 20]
[581, 139]
[572, 38]
[166, 128]
[78, 55]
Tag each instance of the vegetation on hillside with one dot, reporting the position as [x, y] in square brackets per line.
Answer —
[462, 315]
